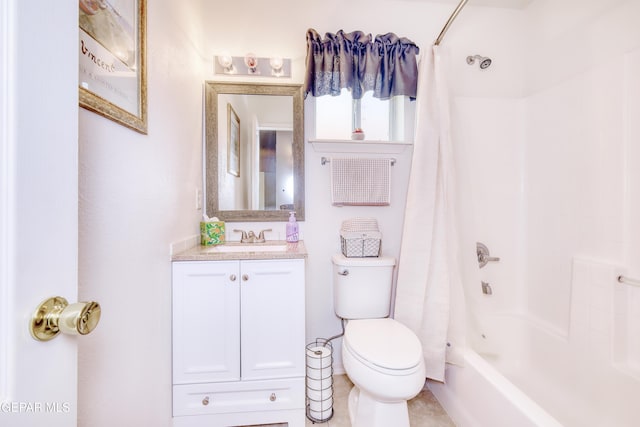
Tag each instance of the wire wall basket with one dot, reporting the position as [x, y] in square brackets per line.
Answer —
[360, 237]
[319, 362]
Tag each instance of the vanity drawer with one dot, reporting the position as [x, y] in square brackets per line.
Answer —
[245, 396]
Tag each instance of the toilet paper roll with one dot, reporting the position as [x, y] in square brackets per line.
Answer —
[319, 384]
[318, 374]
[320, 415]
[320, 406]
[320, 395]
[319, 357]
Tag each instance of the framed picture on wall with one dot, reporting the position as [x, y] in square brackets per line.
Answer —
[233, 142]
[112, 76]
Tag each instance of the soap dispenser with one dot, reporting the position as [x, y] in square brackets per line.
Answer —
[292, 228]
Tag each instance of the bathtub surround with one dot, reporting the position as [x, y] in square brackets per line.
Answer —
[555, 187]
[478, 395]
[531, 375]
[430, 299]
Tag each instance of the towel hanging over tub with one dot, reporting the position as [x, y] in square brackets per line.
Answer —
[360, 182]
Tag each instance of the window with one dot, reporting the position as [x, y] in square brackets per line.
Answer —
[381, 120]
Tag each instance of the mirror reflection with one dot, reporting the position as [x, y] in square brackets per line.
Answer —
[254, 151]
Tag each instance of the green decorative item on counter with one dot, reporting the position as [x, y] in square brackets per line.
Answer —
[211, 233]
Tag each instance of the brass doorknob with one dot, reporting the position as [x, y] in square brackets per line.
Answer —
[55, 315]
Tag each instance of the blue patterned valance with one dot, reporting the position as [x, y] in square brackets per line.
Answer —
[386, 65]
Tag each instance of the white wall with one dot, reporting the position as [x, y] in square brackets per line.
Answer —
[137, 195]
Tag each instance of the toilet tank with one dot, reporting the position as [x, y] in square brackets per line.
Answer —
[362, 286]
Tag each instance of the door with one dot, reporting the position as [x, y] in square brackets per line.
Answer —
[38, 207]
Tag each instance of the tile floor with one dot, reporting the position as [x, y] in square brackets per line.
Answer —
[424, 409]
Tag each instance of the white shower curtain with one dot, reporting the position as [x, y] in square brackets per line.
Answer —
[429, 295]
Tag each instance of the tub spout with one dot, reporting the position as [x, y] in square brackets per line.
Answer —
[486, 288]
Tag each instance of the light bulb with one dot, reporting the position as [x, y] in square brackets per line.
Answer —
[225, 61]
[251, 61]
[276, 63]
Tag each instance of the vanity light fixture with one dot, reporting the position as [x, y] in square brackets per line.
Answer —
[251, 65]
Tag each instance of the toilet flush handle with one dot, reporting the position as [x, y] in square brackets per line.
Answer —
[343, 272]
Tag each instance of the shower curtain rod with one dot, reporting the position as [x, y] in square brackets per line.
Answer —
[452, 18]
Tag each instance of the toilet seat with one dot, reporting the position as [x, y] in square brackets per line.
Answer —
[384, 345]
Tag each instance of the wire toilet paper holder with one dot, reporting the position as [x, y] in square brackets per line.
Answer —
[319, 381]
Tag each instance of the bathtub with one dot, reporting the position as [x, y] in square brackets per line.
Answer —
[520, 373]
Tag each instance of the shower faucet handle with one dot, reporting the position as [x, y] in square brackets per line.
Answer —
[485, 259]
[483, 255]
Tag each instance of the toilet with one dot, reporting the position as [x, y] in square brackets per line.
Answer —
[381, 356]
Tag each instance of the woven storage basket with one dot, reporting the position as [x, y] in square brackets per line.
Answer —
[359, 238]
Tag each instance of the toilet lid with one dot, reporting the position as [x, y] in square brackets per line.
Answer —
[386, 343]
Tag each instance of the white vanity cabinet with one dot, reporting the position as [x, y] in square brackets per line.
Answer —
[238, 342]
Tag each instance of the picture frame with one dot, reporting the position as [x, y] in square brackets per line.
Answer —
[112, 77]
[233, 142]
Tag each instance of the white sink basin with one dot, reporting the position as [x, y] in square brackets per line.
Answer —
[248, 247]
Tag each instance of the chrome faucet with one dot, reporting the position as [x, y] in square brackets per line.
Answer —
[260, 238]
[244, 237]
[486, 288]
[250, 236]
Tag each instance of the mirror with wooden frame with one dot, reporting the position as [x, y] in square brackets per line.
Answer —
[254, 151]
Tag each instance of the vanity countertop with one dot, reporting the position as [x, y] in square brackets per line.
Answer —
[217, 253]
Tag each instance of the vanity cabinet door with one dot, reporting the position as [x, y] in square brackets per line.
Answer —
[206, 321]
[273, 319]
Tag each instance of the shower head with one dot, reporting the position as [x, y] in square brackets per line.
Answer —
[484, 61]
